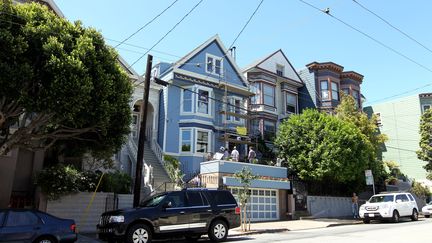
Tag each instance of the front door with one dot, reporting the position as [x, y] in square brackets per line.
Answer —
[199, 209]
[20, 226]
[174, 217]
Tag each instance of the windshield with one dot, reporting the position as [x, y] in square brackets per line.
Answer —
[153, 201]
[378, 199]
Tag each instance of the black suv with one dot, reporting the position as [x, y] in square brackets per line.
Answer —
[190, 212]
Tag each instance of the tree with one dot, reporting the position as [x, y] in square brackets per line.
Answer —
[245, 177]
[60, 83]
[425, 151]
[347, 111]
[321, 147]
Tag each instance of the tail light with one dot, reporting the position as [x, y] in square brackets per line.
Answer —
[73, 227]
[237, 210]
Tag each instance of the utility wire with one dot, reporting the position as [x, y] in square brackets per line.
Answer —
[368, 36]
[394, 27]
[136, 32]
[163, 37]
[396, 95]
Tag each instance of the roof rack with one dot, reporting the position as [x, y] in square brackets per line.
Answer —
[386, 192]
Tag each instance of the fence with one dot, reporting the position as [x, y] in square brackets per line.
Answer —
[329, 207]
[75, 207]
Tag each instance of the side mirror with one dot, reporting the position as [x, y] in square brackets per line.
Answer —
[398, 201]
[167, 204]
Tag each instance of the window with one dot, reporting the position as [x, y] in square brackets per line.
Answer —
[254, 127]
[187, 100]
[411, 197]
[402, 197]
[280, 70]
[269, 94]
[324, 90]
[346, 91]
[186, 140]
[21, 219]
[202, 142]
[335, 91]
[426, 107]
[222, 197]
[255, 88]
[194, 199]
[291, 103]
[203, 101]
[176, 198]
[356, 96]
[214, 64]
[269, 130]
[237, 107]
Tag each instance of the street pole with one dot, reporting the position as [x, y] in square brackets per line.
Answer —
[141, 138]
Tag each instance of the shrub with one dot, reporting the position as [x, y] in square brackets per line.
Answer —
[117, 182]
[58, 180]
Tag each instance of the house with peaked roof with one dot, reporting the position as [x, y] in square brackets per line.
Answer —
[203, 106]
[275, 83]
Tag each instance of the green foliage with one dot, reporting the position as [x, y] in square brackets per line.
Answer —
[60, 83]
[245, 177]
[172, 166]
[117, 182]
[58, 181]
[420, 191]
[425, 152]
[318, 146]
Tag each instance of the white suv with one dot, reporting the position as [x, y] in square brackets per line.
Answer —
[389, 206]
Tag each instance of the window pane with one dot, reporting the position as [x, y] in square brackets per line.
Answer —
[346, 91]
[202, 142]
[203, 101]
[324, 90]
[324, 85]
[237, 105]
[186, 141]
[194, 199]
[291, 103]
[218, 65]
[209, 64]
[335, 91]
[187, 100]
[268, 95]
[176, 198]
[21, 219]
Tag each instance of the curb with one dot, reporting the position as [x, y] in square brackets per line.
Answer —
[344, 224]
[257, 232]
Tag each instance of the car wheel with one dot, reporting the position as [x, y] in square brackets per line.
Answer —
[427, 216]
[45, 239]
[366, 221]
[395, 217]
[414, 216]
[218, 231]
[191, 238]
[139, 233]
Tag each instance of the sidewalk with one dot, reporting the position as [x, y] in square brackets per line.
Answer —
[291, 225]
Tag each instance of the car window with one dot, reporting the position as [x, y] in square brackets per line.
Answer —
[2, 214]
[411, 197]
[222, 197]
[381, 198]
[402, 197]
[177, 199]
[194, 199]
[154, 201]
[21, 219]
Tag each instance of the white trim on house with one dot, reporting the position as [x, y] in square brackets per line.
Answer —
[165, 96]
[196, 121]
[209, 139]
[214, 58]
[209, 114]
[182, 90]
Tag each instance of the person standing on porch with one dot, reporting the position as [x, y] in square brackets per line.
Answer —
[251, 155]
[235, 154]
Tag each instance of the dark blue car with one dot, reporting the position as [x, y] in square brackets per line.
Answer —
[26, 225]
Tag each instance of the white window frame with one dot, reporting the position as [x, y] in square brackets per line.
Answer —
[231, 108]
[210, 102]
[214, 57]
[209, 141]
[286, 102]
[182, 112]
[181, 140]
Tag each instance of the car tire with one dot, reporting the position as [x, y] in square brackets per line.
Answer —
[427, 216]
[366, 221]
[414, 216]
[45, 239]
[192, 238]
[395, 217]
[139, 233]
[218, 231]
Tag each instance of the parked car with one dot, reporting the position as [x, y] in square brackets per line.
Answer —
[389, 206]
[27, 225]
[190, 212]
[427, 210]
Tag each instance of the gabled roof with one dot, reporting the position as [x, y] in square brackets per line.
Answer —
[201, 47]
[257, 64]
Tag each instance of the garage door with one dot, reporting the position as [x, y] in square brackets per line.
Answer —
[263, 203]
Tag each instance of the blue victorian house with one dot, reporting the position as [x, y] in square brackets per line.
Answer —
[203, 107]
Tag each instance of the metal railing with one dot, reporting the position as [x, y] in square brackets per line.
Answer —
[157, 151]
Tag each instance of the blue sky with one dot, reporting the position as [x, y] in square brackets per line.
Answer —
[304, 34]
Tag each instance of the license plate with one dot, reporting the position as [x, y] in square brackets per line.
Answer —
[371, 215]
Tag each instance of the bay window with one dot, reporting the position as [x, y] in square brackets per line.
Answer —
[186, 140]
[187, 100]
[202, 141]
[269, 95]
[324, 90]
[269, 130]
[203, 102]
[290, 103]
[335, 90]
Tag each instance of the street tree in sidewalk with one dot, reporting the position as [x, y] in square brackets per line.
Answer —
[59, 83]
[245, 177]
[425, 151]
[319, 147]
[347, 111]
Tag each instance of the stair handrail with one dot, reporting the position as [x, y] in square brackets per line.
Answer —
[158, 151]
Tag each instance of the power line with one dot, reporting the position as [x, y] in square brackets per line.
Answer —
[169, 31]
[394, 27]
[136, 32]
[327, 11]
[403, 93]
[408, 150]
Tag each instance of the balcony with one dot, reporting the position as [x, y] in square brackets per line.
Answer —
[220, 173]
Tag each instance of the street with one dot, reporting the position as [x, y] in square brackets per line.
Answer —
[404, 231]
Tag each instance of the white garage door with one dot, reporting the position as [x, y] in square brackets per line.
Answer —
[263, 203]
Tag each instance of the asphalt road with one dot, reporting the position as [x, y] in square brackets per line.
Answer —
[403, 232]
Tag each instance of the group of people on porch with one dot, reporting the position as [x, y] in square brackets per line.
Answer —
[224, 154]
